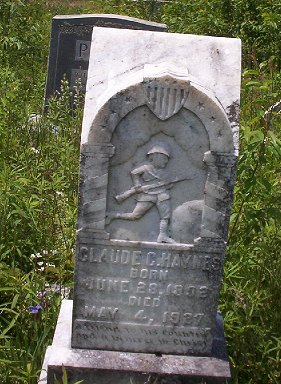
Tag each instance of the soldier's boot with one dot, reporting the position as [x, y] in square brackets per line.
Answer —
[163, 234]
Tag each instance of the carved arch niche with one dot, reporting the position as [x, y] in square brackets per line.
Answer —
[176, 110]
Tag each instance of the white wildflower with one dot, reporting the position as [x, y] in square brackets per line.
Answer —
[50, 265]
[35, 150]
[35, 256]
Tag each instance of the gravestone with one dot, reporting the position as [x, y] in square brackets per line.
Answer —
[157, 172]
[71, 42]
[158, 153]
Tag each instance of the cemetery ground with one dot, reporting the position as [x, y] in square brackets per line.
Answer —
[39, 177]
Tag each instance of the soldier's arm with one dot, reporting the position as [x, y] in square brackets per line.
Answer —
[136, 175]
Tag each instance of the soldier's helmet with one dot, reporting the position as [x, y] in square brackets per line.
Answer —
[159, 148]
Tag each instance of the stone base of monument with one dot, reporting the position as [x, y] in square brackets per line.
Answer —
[108, 367]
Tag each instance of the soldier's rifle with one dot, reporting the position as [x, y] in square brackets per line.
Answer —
[145, 188]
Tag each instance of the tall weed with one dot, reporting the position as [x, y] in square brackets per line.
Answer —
[39, 170]
[250, 297]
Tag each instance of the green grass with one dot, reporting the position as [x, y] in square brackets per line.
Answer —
[39, 164]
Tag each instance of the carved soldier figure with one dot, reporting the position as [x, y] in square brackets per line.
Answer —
[151, 186]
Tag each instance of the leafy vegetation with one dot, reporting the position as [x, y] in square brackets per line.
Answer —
[39, 170]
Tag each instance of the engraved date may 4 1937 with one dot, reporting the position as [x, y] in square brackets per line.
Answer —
[175, 318]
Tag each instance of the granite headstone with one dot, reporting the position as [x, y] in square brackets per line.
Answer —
[158, 154]
[71, 41]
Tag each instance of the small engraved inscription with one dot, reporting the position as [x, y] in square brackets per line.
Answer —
[102, 313]
[78, 29]
[162, 259]
[146, 301]
[179, 339]
[178, 318]
[146, 287]
[151, 274]
[79, 76]
[106, 284]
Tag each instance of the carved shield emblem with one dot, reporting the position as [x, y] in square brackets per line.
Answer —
[164, 100]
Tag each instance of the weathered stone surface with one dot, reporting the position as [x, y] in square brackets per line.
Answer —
[105, 367]
[158, 160]
[212, 62]
[71, 41]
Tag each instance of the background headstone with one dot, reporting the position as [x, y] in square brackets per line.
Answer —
[149, 262]
[71, 41]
